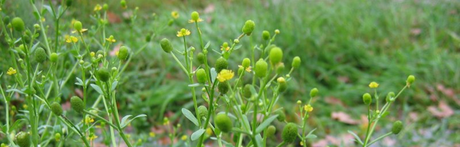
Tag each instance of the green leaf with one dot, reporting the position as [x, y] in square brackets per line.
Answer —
[207, 45]
[194, 85]
[213, 74]
[97, 88]
[356, 137]
[310, 134]
[238, 130]
[259, 140]
[79, 82]
[125, 120]
[190, 116]
[114, 85]
[197, 134]
[265, 124]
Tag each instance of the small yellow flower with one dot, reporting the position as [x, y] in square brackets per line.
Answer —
[184, 137]
[226, 48]
[11, 71]
[152, 134]
[92, 136]
[209, 131]
[165, 121]
[70, 39]
[92, 54]
[43, 19]
[175, 14]
[111, 39]
[183, 32]
[308, 108]
[374, 85]
[225, 75]
[248, 69]
[88, 120]
[98, 7]
[193, 21]
[299, 102]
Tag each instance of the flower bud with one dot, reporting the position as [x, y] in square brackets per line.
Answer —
[36, 26]
[18, 24]
[202, 111]
[397, 127]
[281, 116]
[277, 31]
[280, 68]
[221, 63]
[123, 53]
[367, 99]
[276, 55]
[56, 108]
[23, 139]
[123, 4]
[223, 122]
[270, 131]
[246, 62]
[201, 76]
[247, 91]
[40, 55]
[77, 26]
[57, 137]
[77, 104]
[105, 7]
[282, 86]
[313, 92]
[195, 16]
[248, 27]
[200, 58]
[103, 74]
[6, 20]
[410, 79]
[390, 97]
[261, 68]
[223, 87]
[296, 62]
[265, 35]
[68, 3]
[236, 41]
[289, 133]
[166, 45]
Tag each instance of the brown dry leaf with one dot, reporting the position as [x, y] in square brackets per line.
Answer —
[413, 116]
[442, 111]
[415, 31]
[388, 141]
[344, 139]
[209, 9]
[113, 18]
[334, 101]
[344, 79]
[449, 92]
[343, 117]
[320, 143]
[115, 50]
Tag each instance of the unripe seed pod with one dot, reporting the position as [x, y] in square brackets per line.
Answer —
[40, 54]
[390, 97]
[248, 27]
[56, 108]
[221, 63]
[265, 35]
[105, 7]
[277, 31]
[170, 22]
[68, 3]
[123, 53]
[397, 127]
[200, 58]
[77, 104]
[296, 62]
[281, 116]
[103, 74]
[202, 111]
[246, 62]
[410, 79]
[148, 38]
[367, 99]
[313, 92]
[57, 136]
[261, 68]
[223, 87]
[123, 3]
[18, 24]
[280, 68]
[282, 85]
[201, 76]
[289, 133]
[36, 26]
[6, 20]
[23, 139]
[223, 122]
[270, 131]
[247, 91]
[195, 16]
[166, 45]
[77, 26]
[276, 55]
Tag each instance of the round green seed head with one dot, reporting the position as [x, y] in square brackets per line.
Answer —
[40, 55]
[397, 127]
[296, 62]
[247, 91]
[18, 24]
[223, 122]
[123, 53]
[23, 139]
[103, 74]
[77, 104]
[367, 99]
[68, 3]
[200, 58]
[390, 97]
[166, 45]
[248, 27]
[280, 68]
[57, 136]
[281, 116]
[6, 20]
[201, 76]
[123, 3]
[246, 62]
[221, 63]
[105, 7]
[265, 35]
[56, 108]
[410, 79]
[313, 92]
[289, 133]
[77, 26]
[276, 55]
[202, 111]
[261, 68]
[195, 16]
[223, 87]
[270, 131]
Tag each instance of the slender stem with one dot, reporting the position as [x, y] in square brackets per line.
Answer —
[380, 138]
[281, 144]
[211, 109]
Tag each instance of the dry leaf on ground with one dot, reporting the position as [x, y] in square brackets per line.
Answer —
[442, 111]
[343, 117]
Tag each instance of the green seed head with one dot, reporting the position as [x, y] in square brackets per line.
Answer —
[246, 62]
[289, 133]
[40, 55]
[123, 3]
[77, 104]
[280, 68]
[397, 127]
[296, 62]
[77, 26]
[6, 20]
[201, 76]
[221, 63]
[103, 74]
[266, 35]
[248, 27]
[270, 131]
[23, 139]
[281, 116]
[202, 111]
[68, 3]
[223, 122]
[195, 16]
[56, 108]
[410, 79]
[18, 24]
[367, 99]
[247, 91]
[276, 55]
[166, 45]
[105, 7]
[390, 97]
[200, 58]
[123, 53]
[313, 92]
[261, 68]
[282, 85]
[54, 57]
[223, 87]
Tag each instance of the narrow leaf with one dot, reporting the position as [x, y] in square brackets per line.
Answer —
[190, 116]
[356, 137]
[197, 134]
[97, 88]
[265, 124]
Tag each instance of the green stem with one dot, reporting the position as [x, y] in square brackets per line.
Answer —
[380, 138]
[211, 109]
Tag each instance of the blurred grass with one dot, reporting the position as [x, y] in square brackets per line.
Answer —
[344, 45]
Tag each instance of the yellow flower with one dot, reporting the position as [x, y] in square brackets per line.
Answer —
[92, 54]
[43, 19]
[70, 39]
[193, 21]
[92, 136]
[374, 85]
[225, 75]
[25, 106]
[111, 39]
[152, 134]
[209, 131]
[183, 32]
[175, 14]
[248, 69]
[308, 108]
[184, 137]
[11, 71]
[98, 7]
[88, 120]
[165, 121]
[299, 102]
[226, 48]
